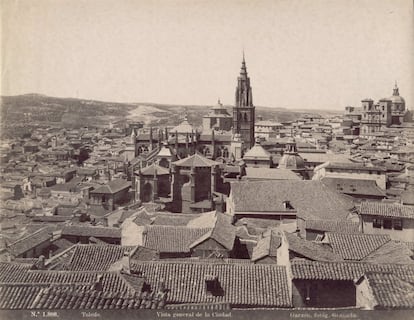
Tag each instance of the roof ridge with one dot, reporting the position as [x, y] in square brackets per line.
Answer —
[28, 236]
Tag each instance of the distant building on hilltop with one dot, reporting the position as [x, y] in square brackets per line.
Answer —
[374, 117]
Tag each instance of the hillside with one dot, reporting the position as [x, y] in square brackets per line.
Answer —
[21, 113]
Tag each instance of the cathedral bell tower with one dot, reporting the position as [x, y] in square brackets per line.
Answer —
[244, 111]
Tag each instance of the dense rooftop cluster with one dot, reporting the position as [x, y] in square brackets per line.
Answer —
[237, 214]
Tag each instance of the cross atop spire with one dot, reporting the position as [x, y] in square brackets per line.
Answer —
[396, 90]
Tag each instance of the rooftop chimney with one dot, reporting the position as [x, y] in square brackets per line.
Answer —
[41, 263]
[98, 283]
[126, 263]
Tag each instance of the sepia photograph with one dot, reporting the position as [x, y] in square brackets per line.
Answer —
[206, 159]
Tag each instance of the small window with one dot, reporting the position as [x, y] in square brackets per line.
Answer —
[377, 223]
[387, 224]
[398, 224]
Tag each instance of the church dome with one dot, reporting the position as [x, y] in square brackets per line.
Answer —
[397, 99]
[183, 127]
[292, 162]
[291, 158]
[398, 102]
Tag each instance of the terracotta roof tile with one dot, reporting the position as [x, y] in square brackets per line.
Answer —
[22, 245]
[386, 209]
[354, 186]
[13, 272]
[355, 246]
[91, 231]
[270, 174]
[267, 246]
[95, 257]
[196, 160]
[143, 218]
[241, 284]
[223, 232]
[332, 225]
[113, 186]
[111, 281]
[318, 270]
[354, 166]
[20, 296]
[391, 252]
[152, 169]
[142, 253]
[68, 298]
[310, 199]
[389, 291]
[311, 250]
[172, 239]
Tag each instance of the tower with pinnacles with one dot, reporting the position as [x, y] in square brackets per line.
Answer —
[244, 110]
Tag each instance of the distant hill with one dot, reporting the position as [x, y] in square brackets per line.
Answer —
[19, 113]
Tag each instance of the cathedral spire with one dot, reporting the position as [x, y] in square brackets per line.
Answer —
[244, 111]
[243, 70]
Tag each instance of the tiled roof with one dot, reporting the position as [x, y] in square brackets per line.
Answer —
[199, 306]
[389, 291]
[95, 257]
[391, 252]
[318, 270]
[267, 246]
[90, 231]
[257, 152]
[355, 246]
[172, 239]
[13, 272]
[203, 220]
[142, 253]
[113, 186]
[270, 174]
[310, 250]
[61, 259]
[62, 245]
[20, 296]
[242, 284]
[223, 232]
[69, 298]
[354, 186]
[143, 218]
[169, 219]
[22, 245]
[354, 166]
[344, 226]
[111, 281]
[75, 296]
[386, 209]
[151, 169]
[311, 199]
[318, 157]
[196, 160]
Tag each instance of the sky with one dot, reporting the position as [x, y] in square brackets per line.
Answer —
[300, 54]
